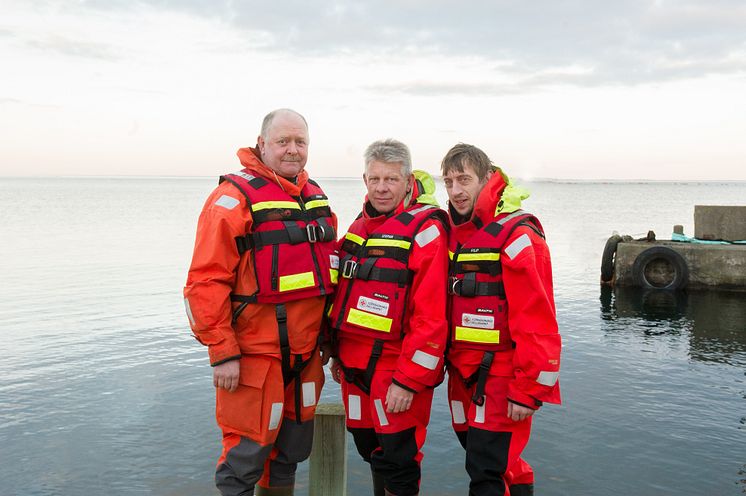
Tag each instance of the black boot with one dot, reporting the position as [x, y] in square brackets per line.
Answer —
[378, 489]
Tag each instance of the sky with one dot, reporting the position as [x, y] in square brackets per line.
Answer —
[561, 89]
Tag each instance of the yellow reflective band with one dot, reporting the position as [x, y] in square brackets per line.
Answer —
[275, 204]
[296, 281]
[389, 242]
[317, 204]
[369, 321]
[333, 275]
[475, 257]
[450, 255]
[472, 335]
[329, 312]
[354, 238]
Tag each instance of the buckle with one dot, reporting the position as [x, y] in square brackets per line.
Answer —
[349, 269]
[452, 283]
[321, 232]
[311, 232]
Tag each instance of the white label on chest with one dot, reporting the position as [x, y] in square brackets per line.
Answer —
[478, 321]
[373, 306]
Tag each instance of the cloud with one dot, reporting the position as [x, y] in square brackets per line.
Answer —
[622, 42]
[75, 48]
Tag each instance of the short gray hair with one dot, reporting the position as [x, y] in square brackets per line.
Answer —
[389, 151]
[269, 118]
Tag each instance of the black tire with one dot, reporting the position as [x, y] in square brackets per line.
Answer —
[660, 256]
[607, 259]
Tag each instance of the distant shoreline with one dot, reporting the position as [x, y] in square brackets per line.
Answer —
[353, 178]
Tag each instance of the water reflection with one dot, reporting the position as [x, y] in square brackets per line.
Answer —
[714, 321]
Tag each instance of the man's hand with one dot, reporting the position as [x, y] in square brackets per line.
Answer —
[398, 399]
[336, 370]
[326, 353]
[518, 412]
[226, 375]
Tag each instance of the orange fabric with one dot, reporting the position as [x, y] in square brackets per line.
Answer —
[217, 270]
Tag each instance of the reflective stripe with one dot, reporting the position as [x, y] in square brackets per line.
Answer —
[309, 394]
[189, 312]
[380, 412]
[389, 242]
[227, 202]
[479, 414]
[275, 204]
[296, 281]
[420, 209]
[353, 407]
[450, 255]
[547, 378]
[457, 412]
[425, 359]
[477, 335]
[354, 238]
[333, 275]
[317, 203]
[517, 246]
[425, 237]
[245, 175]
[369, 321]
[275, 416]
[510, 217]
[473, 257]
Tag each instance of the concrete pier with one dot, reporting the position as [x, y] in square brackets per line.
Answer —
[708, 266]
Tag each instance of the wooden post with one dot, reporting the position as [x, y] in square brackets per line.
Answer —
[328, 465]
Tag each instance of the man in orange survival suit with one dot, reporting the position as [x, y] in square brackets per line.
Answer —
[264, 259]
[504, 344]
[389, 316]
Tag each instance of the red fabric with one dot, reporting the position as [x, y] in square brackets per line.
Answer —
[495, 420]
[531, 313]
[425, 326]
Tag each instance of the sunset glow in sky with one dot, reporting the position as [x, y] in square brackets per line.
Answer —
[549, 89]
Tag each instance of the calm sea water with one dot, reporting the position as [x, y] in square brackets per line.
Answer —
[103, 389]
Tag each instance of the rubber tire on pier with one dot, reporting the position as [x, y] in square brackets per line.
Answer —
[607, 259]
[674, 259]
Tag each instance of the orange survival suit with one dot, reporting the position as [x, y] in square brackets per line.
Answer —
[389, 318]
[264, 261]
[504, 341]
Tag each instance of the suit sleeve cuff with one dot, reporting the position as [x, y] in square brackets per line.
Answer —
[523, 399]
[223, 353]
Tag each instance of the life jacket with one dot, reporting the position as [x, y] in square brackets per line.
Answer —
[292, 239]
[478, 306]
[375, 279]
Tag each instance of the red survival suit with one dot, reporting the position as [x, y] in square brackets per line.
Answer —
[504, 341]
[389, 316]
[264, 261]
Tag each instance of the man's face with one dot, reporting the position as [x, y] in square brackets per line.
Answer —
[463, 189]
[285, 150]
[386, 185]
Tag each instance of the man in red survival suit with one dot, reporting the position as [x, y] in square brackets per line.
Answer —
[504, 348]
[264, 262]
[389, 317]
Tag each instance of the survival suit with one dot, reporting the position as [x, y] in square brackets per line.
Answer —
[504, 344]
[264, 263]
[390, 323]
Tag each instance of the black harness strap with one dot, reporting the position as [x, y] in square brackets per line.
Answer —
[290, 373]
[480, 377]
[245, 301]
[363, 379]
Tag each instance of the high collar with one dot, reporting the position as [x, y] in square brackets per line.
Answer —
[250, 158]
[484, 208]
